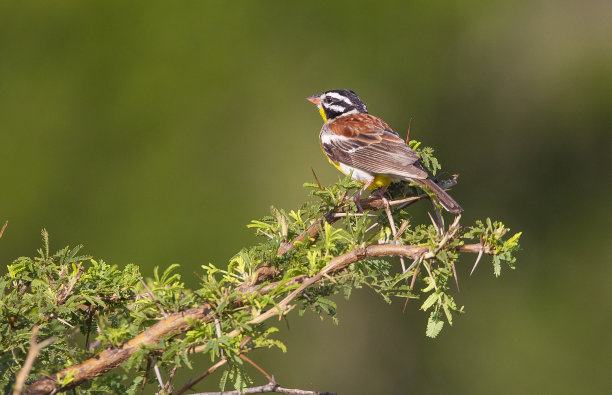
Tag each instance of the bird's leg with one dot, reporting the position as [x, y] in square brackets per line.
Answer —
[381, 193]
[357, 197]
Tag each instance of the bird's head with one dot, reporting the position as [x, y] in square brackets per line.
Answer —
[335, 103]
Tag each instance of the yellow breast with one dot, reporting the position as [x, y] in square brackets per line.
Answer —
[379, 180]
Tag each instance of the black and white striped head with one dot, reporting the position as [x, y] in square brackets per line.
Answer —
[335, 103]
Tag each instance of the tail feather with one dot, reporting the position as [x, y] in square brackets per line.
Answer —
[444, 198]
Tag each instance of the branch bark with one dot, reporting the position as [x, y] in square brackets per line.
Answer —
[270, 387]
[178, 322]
[32, 354]
[373, 203]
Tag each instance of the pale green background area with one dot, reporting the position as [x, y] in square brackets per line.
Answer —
[153, 133]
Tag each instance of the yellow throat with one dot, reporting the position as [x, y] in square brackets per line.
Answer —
[322, 112]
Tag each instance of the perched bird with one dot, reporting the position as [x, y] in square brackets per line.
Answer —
[355, 141]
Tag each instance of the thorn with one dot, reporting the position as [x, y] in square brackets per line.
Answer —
[316, 179]
[402, 228]
[414, 275]
[158, 374]
[403, 266]
[416, 260]
[371, 227]
[342, 215]
[244, 342]
[405, 304]
[455, 275]
[409, 128]
[3, 227]
[439, 217]
[438, 231]
[219, 334]
[265, 234]
[477, 260]
[245, 358]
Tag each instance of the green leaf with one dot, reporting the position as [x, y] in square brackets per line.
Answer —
[496, 265]
[434, 324]
[430, 301]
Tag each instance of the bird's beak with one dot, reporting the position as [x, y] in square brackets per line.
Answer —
[314, 99]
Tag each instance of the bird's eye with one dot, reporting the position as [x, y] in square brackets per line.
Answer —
[327, 99]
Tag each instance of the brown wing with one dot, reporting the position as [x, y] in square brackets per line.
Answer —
[366, 142]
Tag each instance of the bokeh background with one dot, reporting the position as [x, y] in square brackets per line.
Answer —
[152, 132]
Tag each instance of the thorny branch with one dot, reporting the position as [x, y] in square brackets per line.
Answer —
[270, 387]
[178, 322]
[32, 354]
[201, 377]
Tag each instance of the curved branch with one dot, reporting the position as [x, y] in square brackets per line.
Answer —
[113, 357]
[373, 203]
[270, 387]
[178, 322]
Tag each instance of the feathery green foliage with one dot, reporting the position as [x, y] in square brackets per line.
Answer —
[90, 305]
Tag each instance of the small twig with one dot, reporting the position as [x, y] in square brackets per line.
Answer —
[68, 324]
[316, 179]
[179, 322]
[398, 234]
[89, 321]
[448, 235]
[167, 389]
[201, 377]
[66, 289]
[414, 277]
[219, 334]
[342, 215]
[414, 263]
[308, 298]
[158, 374]
[265, 234]
[435, 225]
[146, 373]
[153, 298]
[407, 201]
[245, 358]
[438, 216]
[371, 227]
[32, 354]
[402, 228]
[270, 387]
[3, 227]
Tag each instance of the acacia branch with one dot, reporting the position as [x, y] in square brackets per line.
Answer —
[373, 203]
[270, 387]
[32, 354]
[178, 322]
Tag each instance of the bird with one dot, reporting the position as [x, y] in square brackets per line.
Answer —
[363, 145]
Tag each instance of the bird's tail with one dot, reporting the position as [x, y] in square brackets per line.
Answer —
[444, 198]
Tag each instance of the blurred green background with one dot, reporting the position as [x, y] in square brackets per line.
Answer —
[153, 132]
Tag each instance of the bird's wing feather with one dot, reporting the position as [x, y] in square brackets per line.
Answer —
[367, 143]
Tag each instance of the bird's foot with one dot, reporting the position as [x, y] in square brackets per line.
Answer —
[357, 200]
